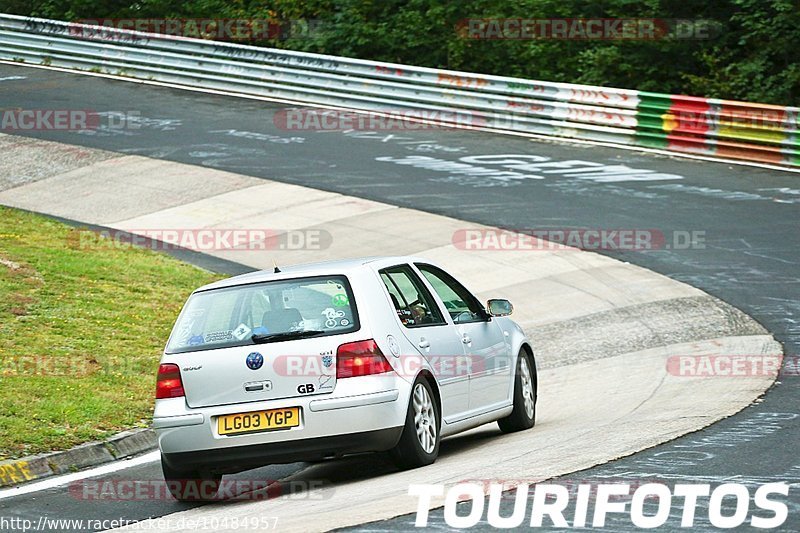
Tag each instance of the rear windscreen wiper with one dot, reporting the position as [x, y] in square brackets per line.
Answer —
[261, 338]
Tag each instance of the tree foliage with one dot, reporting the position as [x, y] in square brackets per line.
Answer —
[751, 55]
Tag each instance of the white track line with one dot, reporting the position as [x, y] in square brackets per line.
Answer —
[565, 140]
[50, 483]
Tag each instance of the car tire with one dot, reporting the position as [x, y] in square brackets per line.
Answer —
[523, 416]
[419, 442]
[191, 486]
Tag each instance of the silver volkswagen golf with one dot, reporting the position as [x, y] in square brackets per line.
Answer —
[329, 359]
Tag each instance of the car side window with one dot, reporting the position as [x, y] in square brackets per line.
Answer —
[412, 302]
[460, 303]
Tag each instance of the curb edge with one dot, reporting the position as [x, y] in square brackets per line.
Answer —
[34, 467]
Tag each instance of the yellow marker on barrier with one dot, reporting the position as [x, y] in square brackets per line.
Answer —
[15, 473]
[669, 122]
[25, 470]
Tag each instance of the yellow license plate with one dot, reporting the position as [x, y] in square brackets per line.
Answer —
[285, 418]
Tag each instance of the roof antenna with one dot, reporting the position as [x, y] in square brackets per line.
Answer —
[276, 270]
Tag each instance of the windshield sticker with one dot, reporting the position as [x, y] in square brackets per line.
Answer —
[331, 315]
[340, 300]
[219, 336]
[195, 340]
[344, 322]
[241, 332]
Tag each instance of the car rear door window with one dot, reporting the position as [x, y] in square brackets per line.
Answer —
[412, 301]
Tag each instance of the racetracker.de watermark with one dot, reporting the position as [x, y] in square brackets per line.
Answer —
[48, 120]
[41, 119]
[552, 239]
[380, 120]
[408, 366]
[227, 489]
[771, 119]
[583, 29]
[203, 240]
[71, 366]
[732, 366]
[516, 114]
[218, 29]
[158, 523]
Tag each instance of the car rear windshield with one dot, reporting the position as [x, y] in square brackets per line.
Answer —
[263, 312]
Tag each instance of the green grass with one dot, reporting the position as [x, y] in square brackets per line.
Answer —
[82, 325]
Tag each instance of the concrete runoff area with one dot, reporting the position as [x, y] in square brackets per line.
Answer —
[603, 330]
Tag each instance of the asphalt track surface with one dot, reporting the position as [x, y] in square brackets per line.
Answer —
[749, 216]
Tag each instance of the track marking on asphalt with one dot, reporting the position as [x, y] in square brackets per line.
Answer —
[59, 481]
[608, 287]
[534, 136]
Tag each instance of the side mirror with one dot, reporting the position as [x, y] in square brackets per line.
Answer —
[498, 307]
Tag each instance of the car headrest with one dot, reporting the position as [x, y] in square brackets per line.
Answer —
[279, 320]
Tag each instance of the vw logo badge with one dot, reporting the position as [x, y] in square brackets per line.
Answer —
[254, 361]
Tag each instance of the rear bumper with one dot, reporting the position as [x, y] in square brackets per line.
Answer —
[238, 458]
[363, 414]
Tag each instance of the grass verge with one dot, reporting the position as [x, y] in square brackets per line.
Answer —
[82, 325]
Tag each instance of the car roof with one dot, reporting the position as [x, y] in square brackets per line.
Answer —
[339, 266]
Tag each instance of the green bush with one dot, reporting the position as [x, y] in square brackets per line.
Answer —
[752, 55]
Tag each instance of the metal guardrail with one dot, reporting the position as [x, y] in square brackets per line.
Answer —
[705, 126]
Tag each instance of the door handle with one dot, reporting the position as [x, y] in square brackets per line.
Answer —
[424, 344]
[465, 339]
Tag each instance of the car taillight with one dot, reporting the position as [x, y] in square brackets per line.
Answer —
[361, 358]
[169, 384]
